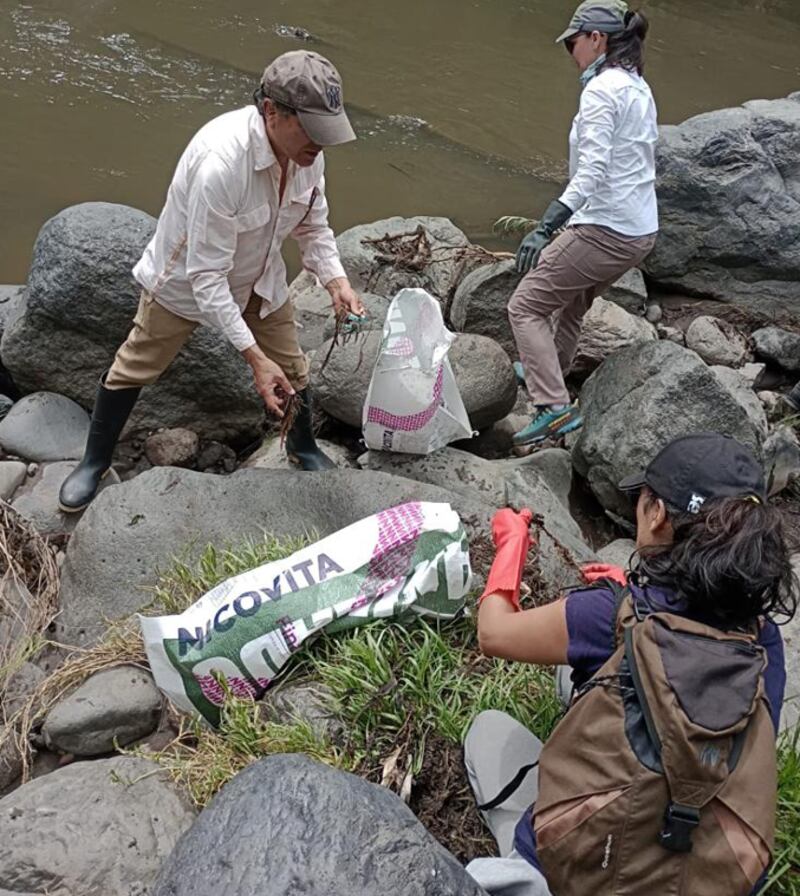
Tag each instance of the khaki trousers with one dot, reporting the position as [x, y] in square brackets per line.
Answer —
[158, 335]
[550, 301]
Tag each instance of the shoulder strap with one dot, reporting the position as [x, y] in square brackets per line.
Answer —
[510, 788]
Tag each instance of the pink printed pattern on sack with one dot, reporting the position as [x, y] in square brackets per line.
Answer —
[410, 422]
[239, 687]
[401, 347]
[398, 530]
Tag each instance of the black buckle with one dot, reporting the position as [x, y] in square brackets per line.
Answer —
[679, 822]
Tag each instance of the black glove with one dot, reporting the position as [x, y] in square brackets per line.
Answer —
[556, 215]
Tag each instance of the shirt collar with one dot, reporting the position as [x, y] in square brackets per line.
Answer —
[262, 150]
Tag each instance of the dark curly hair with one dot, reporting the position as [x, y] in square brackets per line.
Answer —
[730, 562]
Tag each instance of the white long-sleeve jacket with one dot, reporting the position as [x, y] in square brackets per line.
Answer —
[612, 148]
[220, 232]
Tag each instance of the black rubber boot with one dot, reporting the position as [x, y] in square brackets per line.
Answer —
[301, 447]
[111, 409]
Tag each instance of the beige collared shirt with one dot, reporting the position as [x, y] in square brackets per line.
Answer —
[220, 232]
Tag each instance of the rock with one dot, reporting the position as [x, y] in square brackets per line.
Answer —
[751, 372]
[78, 309]
[172, 448]
[747, 159]
[480, 304]
[216, 457]
[715, 341]
[653, 313]
[629, 292]
[673, 334]
[519, 482]
[617, 552]
[790, 634]
[272, 456]
[482, 369]
[367, 272]
[640, 399]
[5, 406]
[309, 702]
[110, 709]
[129, 533]
[468, 474]
[19, 686]
[779, 346]
[771, 401]
[90, 828]
[45, 427]
[742, 392]
[37, 498]
[366, 840]
[781, 458]
[10, 767]
[9, 303]
[12, 474]
[606, 329]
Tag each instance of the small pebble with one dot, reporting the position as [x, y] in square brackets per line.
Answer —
[653, 313]
[33, 469]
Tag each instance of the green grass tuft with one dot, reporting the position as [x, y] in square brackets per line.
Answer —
[187, 580]
[394, 685]
[784, 875]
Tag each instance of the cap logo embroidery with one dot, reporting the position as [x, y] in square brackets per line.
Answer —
[333, 93]
[695, 503]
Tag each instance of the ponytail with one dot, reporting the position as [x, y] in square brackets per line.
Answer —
[730, 562]
[626, 48]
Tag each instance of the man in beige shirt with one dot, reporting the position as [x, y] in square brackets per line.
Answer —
[246, 181]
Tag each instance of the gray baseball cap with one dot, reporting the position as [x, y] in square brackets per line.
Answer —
[605, 16]
[310, 84]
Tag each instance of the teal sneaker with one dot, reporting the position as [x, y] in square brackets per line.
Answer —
[549, 424]
[520, 373]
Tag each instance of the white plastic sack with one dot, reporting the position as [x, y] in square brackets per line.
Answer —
[413, 404]
[411, 557]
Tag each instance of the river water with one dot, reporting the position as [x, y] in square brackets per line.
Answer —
[462, 106]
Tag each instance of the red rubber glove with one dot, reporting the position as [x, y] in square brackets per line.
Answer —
[593, 572]
[512, 538]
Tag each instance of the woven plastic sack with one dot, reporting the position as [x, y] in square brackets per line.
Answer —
[240, 635]
[413, 404]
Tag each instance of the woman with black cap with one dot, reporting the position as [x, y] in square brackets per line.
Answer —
[609, 208]
[711, 551]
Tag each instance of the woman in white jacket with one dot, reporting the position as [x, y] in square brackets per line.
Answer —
[608, 207]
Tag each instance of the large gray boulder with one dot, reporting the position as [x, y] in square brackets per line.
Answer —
[44, 427]
[429, 257]
[99, 828]
[111, 708]
[137, 528]
[78, 309]
[640, 399]
[729, 206]
[482, 370]
[322, 832]
[313, 313]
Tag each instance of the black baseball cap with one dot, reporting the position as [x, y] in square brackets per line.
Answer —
[693, 469]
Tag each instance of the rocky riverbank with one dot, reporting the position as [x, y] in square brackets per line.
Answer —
[198, 467]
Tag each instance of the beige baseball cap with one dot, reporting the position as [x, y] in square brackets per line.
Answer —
[310, 84]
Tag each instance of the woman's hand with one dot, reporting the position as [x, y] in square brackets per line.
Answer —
[511, 536]
[593, 572]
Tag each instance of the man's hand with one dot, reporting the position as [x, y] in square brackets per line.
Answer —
[269, 378]
[345, 298]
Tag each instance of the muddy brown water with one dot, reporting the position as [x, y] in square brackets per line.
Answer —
[462, 107]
